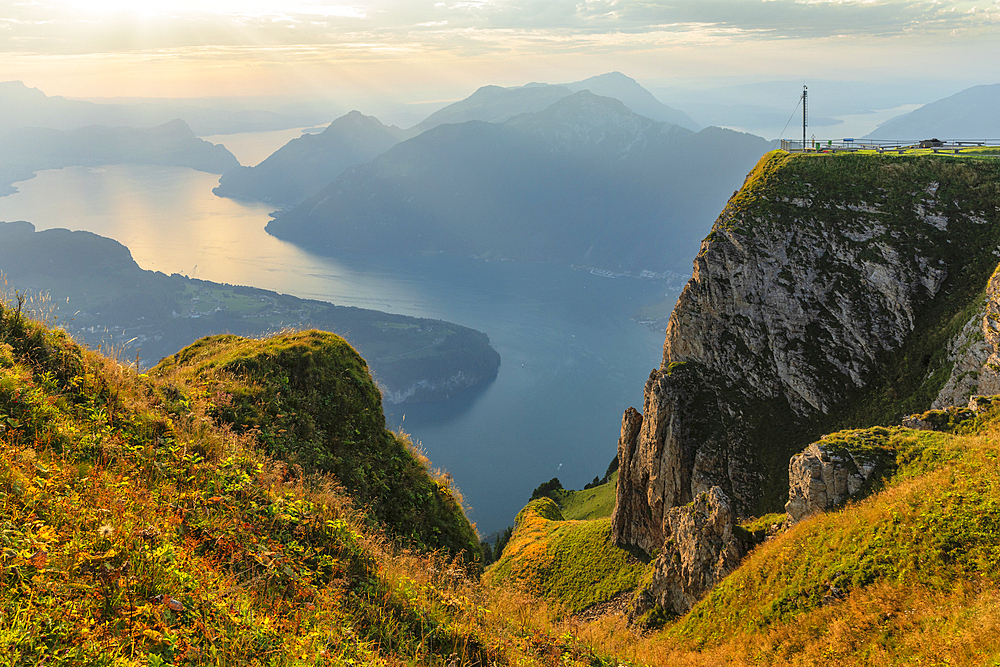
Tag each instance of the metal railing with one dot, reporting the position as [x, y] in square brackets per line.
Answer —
[886, 146]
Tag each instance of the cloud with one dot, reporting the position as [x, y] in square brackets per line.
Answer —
[736, 34]
[67, 28]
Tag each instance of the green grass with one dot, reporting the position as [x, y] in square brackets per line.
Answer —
[308, 398]
[136, 529]
[573, 562]
[935, 525]
[593, 503]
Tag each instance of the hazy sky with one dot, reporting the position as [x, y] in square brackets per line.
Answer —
[187, 48]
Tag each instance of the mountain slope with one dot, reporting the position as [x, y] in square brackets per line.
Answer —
[309, 399]
[827, 296]
[105, 299]
[304, 165]
[495, 104]
[580, 182]
[917, 562]
[31, 149]
[628, 91]
[574, 562]
[970, 114]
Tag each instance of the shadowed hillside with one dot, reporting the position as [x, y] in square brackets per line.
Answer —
[585, 181]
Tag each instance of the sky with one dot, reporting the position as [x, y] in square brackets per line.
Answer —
[431, 50]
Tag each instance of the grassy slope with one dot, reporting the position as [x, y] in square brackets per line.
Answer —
[907, 576]
[574, 562]
[910, 573]
[134, 535]
[308, 398]
[593, 503]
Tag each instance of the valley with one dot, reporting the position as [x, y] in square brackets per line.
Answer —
[554, 327]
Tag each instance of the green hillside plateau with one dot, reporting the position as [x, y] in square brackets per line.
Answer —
[592, 503]
[308, 398]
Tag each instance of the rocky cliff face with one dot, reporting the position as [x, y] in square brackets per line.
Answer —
[824, 477]
[702, 546]
[827, 293]
[975, 354]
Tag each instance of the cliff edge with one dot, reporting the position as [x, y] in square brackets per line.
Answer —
[831, 292]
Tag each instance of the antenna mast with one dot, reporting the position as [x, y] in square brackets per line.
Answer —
[805, 114]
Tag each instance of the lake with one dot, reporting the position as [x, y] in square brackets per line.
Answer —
[572, 359]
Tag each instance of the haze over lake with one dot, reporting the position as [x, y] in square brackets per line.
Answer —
[572, 359]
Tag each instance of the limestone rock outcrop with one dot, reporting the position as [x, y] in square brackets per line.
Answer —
[702, 545]
[812, 302]
[822, 478]
[975, 354]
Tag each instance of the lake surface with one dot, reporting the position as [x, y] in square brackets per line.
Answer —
[252, 148]
[572, 360]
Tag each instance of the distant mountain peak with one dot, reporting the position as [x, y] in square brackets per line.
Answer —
[309, 162]
[176, 126]
[18, 90]
[635, 97]
[496, 104]
[586, 105]
[584, 119]
[355, 120]
[610, 76]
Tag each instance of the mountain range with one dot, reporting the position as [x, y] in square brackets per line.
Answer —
[496, 104]
[306, 164]
[577, 182]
